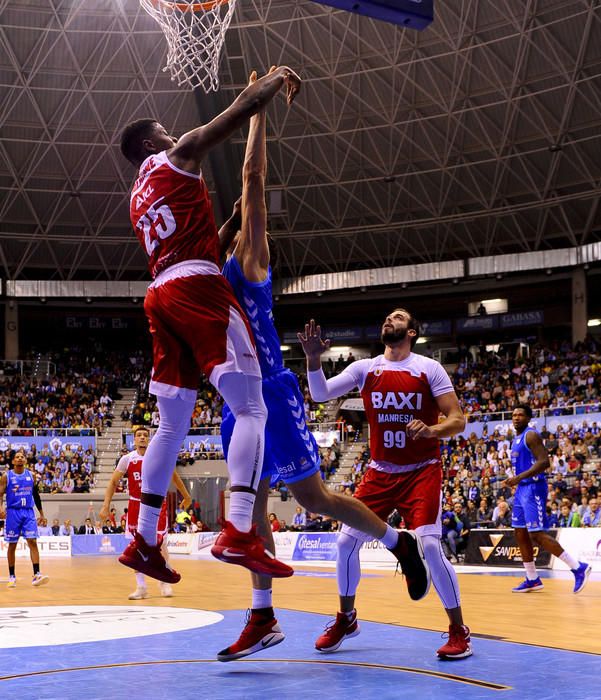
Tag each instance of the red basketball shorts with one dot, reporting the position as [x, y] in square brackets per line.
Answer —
[133, 511]
[416, 495]
[196, 326]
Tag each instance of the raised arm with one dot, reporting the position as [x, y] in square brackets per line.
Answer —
[252, 249]
[314, 346]
[230, 228]
[189, 151]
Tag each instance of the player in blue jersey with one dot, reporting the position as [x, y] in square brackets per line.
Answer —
[21, 494]
[529, 518]
[291, 453]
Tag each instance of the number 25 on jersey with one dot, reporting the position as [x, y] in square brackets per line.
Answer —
[157, 222]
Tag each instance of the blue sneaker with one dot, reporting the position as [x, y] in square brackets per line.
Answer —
[581, 575]
[527, 585]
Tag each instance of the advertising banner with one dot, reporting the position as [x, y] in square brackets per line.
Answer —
[477, 323]
[47, 546]
[315, 546]
[82, 545]
[56, 444]
[499, 548]
[522, 318]
[180, 543]
[583, 543]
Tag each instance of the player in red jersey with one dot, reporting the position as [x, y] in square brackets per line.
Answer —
[131, 465]
[196, 324]
[403, 394]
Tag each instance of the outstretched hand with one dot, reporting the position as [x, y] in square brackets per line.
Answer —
[312, 343]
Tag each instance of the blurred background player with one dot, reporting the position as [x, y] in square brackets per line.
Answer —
[21, 494]
[404, 395]
[291, 453]
[132, 466]
[530, 461]
[196, 325]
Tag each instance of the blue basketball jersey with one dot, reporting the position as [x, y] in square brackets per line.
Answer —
[19, 490]
[521, 457]
[256, 300]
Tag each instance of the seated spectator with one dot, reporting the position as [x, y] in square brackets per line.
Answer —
[592, 517]
[44, 530]
[503, 518]
[552, 516]
[66, 529]
[108, 528]
[299, 520]
[56, 527]
[98, 528]
[274, 522]
[87, 528]
[568, 517]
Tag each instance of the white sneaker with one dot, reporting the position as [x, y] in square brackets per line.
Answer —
[138, 594]
[166, 590]
[12, 582]
[39, 580]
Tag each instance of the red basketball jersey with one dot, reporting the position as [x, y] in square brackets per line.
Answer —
[172, 214]
[394, 394]
[131, 465]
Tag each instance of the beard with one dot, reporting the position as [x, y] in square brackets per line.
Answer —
[394, 337]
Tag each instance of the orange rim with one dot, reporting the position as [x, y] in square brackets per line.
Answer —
[193, 7]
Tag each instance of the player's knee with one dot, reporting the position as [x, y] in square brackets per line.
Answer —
[432, 546]
[347, 545]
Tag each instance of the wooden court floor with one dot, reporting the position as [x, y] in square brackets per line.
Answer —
[554, 617]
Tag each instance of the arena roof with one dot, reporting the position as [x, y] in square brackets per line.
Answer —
[478, 137]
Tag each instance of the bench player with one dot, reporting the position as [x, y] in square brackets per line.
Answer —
[196, 325]
[22, 493]
[132, 466]
[404, 395]
[530, 460]
[291, 453]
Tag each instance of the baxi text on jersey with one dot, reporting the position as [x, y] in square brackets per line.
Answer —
[397, 400]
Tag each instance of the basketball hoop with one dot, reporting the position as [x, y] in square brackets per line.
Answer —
[195, 33]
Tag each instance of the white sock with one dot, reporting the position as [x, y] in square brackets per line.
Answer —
[569, 560]
[140, 580]
[241, 508]
[391, 537]
[531, 572]
[262, 598]
[147, 523]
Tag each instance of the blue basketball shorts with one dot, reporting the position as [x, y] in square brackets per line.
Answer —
[291, 453]
[530, 506]
[20, 522]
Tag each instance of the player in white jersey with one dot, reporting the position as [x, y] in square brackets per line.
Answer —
[403, 394]
[131, 465]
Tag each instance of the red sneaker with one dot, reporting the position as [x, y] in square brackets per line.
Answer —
[337, 631]
[139, 555]
[247, 549]
[259, 633]
[458, 645]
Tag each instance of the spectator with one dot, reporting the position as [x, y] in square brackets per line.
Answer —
[66, 529]
[274, 522]
[503, 518]
[299, 520]
[87, 528]
[592, 517]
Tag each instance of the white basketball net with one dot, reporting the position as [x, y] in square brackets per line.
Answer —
[195, 33]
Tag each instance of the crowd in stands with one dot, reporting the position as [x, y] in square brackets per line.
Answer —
[65, 470]
[78, 394]
[556, 378]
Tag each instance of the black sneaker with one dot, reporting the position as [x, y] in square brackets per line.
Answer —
[409, 552]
